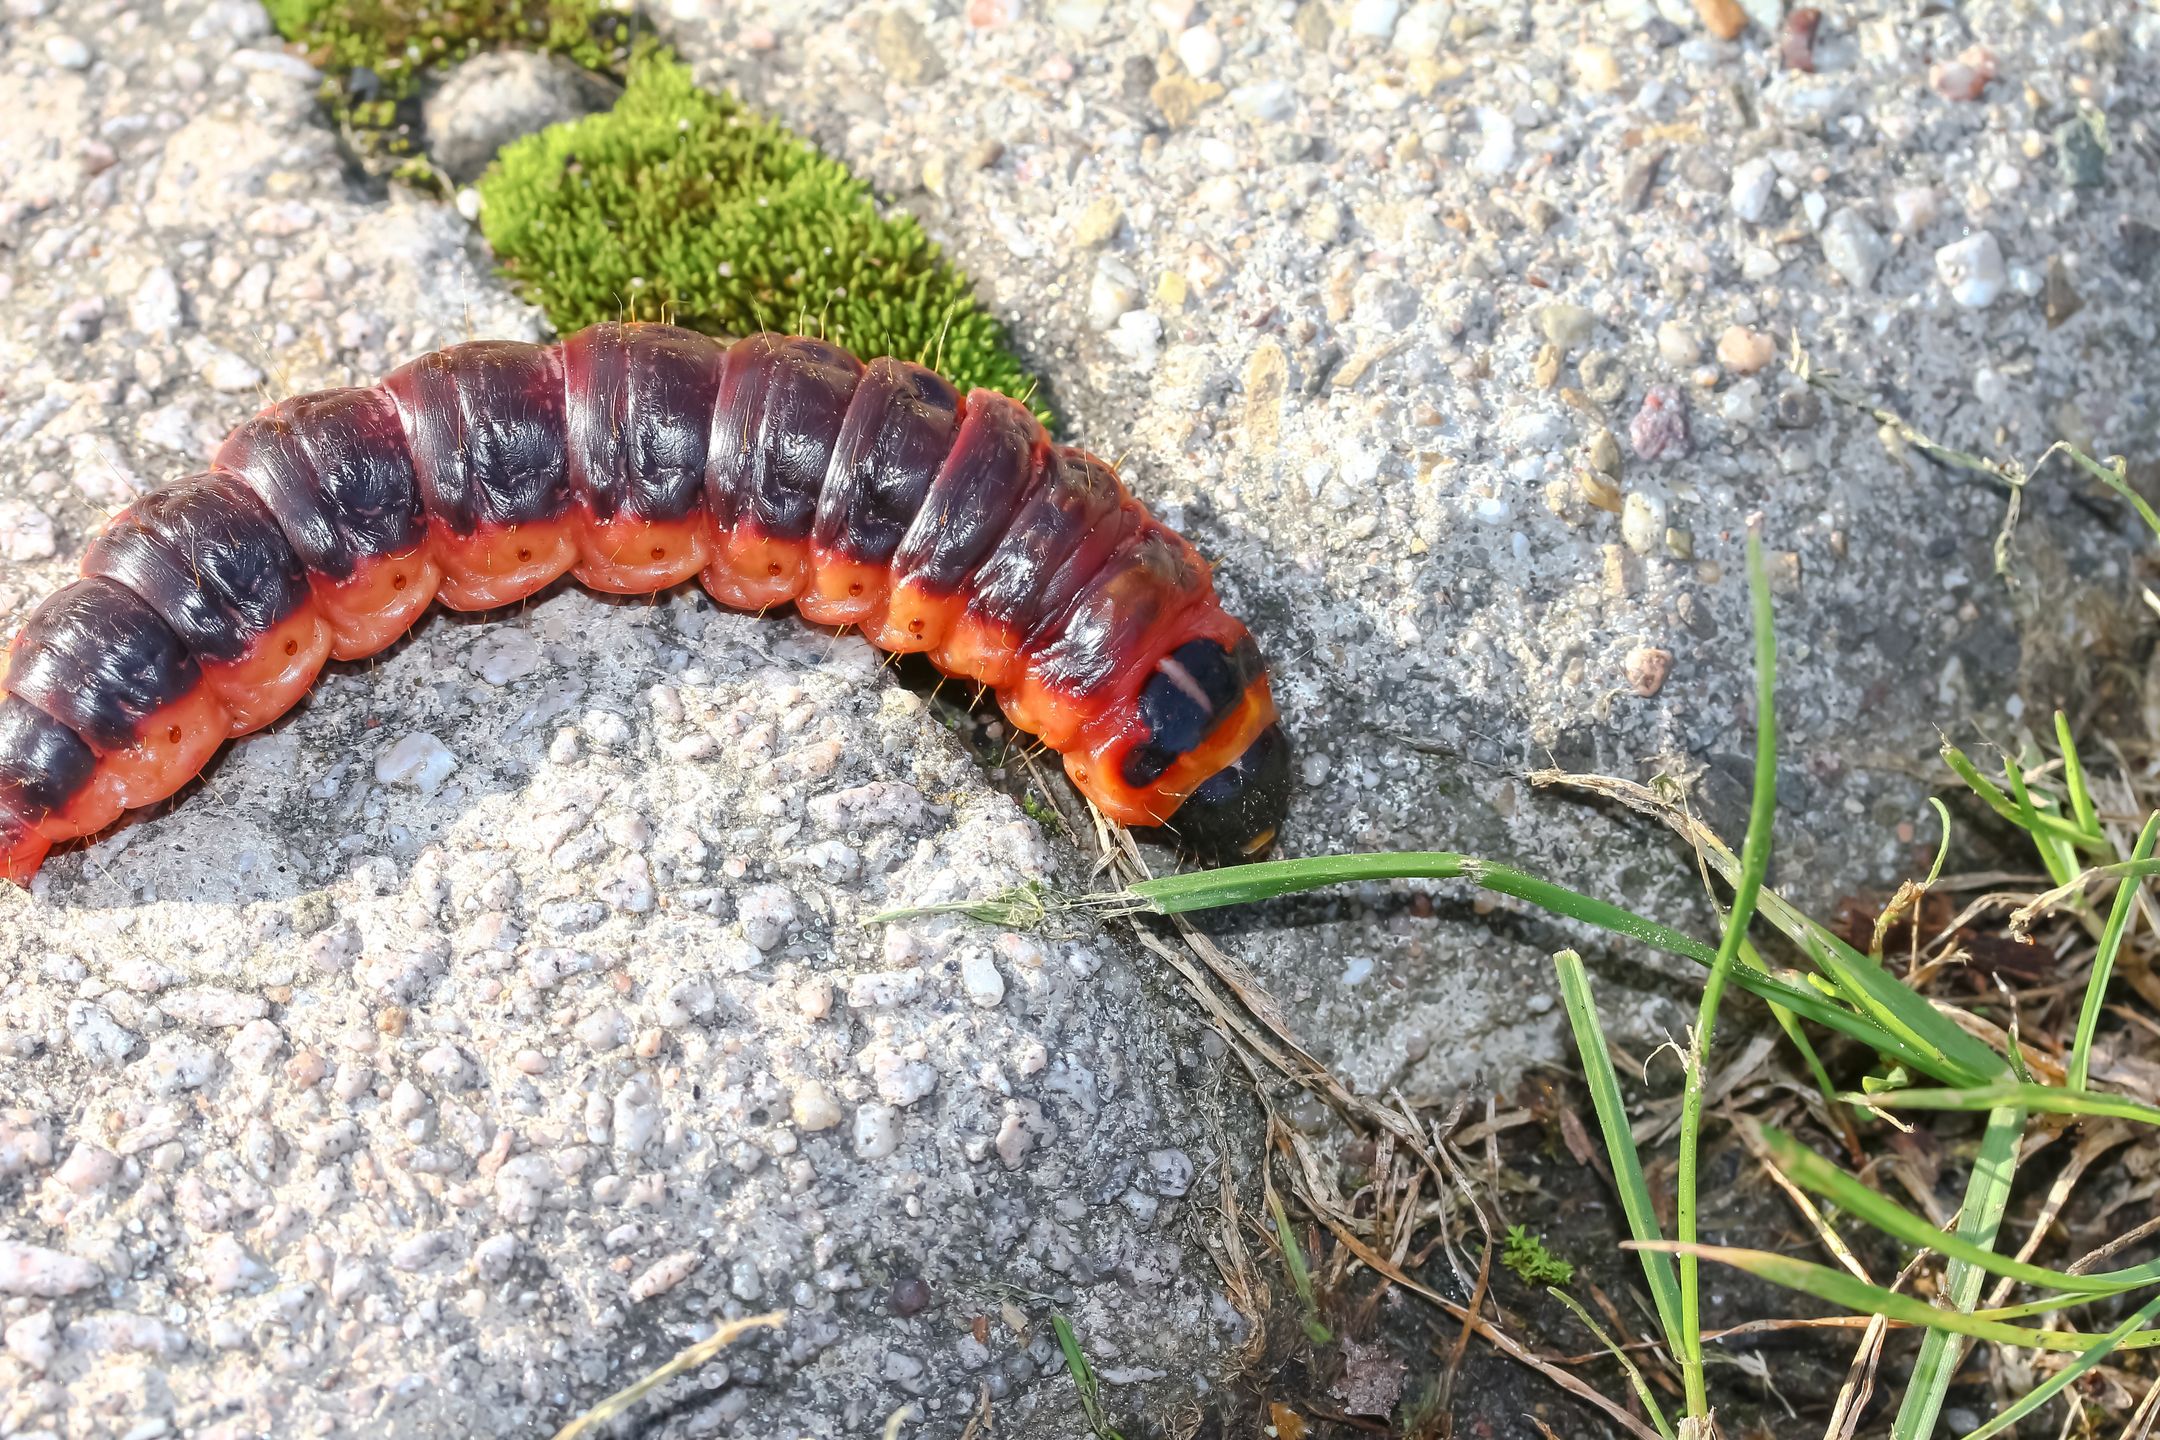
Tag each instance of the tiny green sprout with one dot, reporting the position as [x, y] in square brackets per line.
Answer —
[1533, 1264]
[1896, 1078]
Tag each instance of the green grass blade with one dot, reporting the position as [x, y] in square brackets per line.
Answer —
[1611, 1108]
[1635, 1376]
[1181, 894]
[2026, 817]
[1754, 865]
[1811, 1171]
[1852, 1294]
[1987, 1195]
[2111, 477]
[2047, 1304]
[1942, 846]
[2050, 1099]
[1791, 1026]
[1084, 1381]
[2079, 1071]
[2055, 852]
[2064, 1378]
[2081, 806]
[1293, 1256]
[1865, 984]
[1899, 1009]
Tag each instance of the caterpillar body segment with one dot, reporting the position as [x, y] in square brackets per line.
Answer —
[775, 470]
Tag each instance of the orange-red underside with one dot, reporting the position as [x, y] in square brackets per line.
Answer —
[744, 569]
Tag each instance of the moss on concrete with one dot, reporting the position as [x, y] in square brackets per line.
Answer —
[387, 45]
[680, 204]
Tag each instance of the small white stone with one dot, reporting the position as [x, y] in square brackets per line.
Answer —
[1973, 270]
[1171, 1172]
[1643, 522]
[606, 729]
[522, 1187]
[814, 1107]
[155, 307]
[506, 654]
[1138, 337]
[256, 1047]
[665, 1274]
[877, 1131]
[1496, 143]
[1200, 50]
[1111, 292]
[980, 978]
[603, 1030]
[351, 1276]
[1753, 183]
[448, 1067]
[1742, 405]
[176, 1063]
[213, 1005]
[685, 1002]
[34, 1339]
[48, 1274]
[628, 886]
[26, 532]
[766, 913]
[227, 1266]
[67, 52]
[419, 762]
[1374, 19]
[87, 1168]
[96, 1036]
[1853, 248]
[1422, 30]
[883, 989]
[281, 218]
[637, 1117]
[901, 1079]
[1268, 101]
[1678, 345]
[1915, 207]
[222, 370]
[493, 1257]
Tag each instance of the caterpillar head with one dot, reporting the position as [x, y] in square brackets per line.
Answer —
[1236, 812]
[1208, 714]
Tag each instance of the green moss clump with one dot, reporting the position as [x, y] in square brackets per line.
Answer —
[397, 41]
[681, 205]
[1533, 1264]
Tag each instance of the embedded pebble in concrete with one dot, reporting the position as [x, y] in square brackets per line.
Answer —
[483, 1033]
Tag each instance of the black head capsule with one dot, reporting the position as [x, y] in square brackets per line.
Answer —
[1236, 813]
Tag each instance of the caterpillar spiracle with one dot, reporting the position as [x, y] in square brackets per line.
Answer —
[633, 457]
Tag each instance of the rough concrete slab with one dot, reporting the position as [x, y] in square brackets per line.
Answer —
[473, 1040]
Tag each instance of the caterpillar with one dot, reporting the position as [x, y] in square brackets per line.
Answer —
[633, 457]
